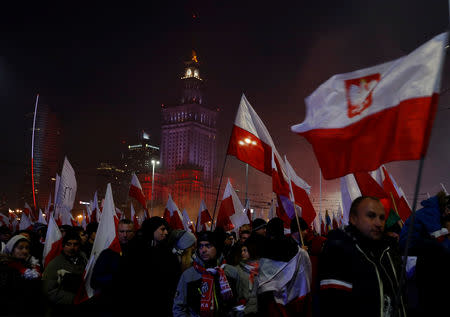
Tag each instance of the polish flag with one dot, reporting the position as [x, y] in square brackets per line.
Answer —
[390, 187]
[136, 191]
[285, 210]
[386, 111]
[248, 211]
[300, 190]
[49, 204]
[95, 214]
[188, 224]
[53, 242]
[280, 180]
[106, 238]
[173, 215]
[25, 222]
[250, 141]
[13, 223]
[272, 210]
[203, 218]
[349, 192]
[84, 221]
[67, 190]
[231, 211]
[41, 217]
[28, 211]
[4, 220]
[134, 218]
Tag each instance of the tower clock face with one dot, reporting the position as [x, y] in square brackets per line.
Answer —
[188, 72]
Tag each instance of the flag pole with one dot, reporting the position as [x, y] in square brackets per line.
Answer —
[395, 207]
[217, 195]
[32, 150]
[246, 183]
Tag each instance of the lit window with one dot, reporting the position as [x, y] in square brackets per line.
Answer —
[189, 72]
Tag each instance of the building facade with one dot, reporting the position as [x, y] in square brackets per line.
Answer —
[189, 142]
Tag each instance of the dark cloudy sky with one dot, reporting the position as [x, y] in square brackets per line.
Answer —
[107, 68]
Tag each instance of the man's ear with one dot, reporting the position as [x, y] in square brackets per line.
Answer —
[352, 219]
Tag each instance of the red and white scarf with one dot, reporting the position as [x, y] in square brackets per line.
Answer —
[29, 272]
[207, 306]
[252, 268]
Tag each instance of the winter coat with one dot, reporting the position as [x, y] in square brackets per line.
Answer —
[247, 289]
[188, 295]
[62, 278]
[20, 287]
[149, 276]
[356, 274]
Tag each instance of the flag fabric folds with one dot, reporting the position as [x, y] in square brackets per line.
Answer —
[250, 141]
[53, 242]
[385, 111]
[203, 218]
[136, 191]
[173, 215]
[231, 213]
[106, 238]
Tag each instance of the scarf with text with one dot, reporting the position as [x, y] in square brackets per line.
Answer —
[207, 294]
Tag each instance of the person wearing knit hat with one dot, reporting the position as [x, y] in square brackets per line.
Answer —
[151, 264]
[21, 275]
[259, 226]
[183, 245]
[217, 283]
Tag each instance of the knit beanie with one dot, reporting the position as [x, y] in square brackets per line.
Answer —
[258, 223]
[294, 226]
[186, 240]
[12, 243]
[212, 237]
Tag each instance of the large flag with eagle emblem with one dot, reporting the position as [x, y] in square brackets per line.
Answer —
[357, 121]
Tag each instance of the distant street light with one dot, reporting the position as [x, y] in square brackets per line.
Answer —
[153, 183]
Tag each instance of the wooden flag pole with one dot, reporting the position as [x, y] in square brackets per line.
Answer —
[298, 225]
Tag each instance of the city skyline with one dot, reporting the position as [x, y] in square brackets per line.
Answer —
[109, 76]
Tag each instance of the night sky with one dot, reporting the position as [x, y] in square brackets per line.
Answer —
[107, 68]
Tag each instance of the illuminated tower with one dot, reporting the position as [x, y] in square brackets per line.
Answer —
[189, 141]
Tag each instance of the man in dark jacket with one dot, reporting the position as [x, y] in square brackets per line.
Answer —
[151, 271]
[358, 272]
[210, 287]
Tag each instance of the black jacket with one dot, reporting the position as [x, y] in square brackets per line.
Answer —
[358, 276]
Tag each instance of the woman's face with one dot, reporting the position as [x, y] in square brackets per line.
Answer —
[21, 250]
[244, 253]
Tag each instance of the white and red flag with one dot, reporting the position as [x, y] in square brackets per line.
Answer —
[395, 193]
[4, 220]
[84, 221]
[231, 213]
[41, 218]
[203, 218]
[106, 238]
[136, 191]
[25, 221]
[13, 223]
[95, 213]
[134, 217]
[349, 192]
[385, 110]
[188, 224]
[250, 141]
[173, 215]
[289, 282]
[28, 211]
[67, 190]
[300, 191]
[53, 242]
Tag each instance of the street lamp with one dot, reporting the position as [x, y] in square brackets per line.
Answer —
[153, 183]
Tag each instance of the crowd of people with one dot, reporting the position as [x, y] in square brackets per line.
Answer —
[257, 270]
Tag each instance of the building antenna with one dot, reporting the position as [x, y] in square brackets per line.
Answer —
[32, 151]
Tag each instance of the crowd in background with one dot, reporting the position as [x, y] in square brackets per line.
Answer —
[261, 269]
